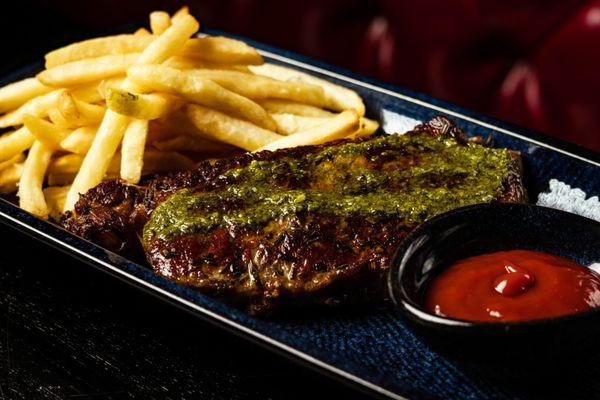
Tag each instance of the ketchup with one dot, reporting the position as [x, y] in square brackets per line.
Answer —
[513, 285]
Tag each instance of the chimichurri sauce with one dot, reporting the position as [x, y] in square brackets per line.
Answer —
[411, 177]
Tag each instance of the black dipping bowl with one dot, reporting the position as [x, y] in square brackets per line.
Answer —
[483, 229]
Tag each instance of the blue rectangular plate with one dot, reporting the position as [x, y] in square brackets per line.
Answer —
[367, 346]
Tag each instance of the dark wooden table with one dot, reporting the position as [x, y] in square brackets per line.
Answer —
[68, 331]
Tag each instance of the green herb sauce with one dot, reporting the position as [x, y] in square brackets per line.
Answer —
[409, 177]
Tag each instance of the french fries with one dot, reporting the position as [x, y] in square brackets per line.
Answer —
[94, 48]
[336, 128]
[142, 32]
[219, 50]
[180, 13]
[55, 200]
[194, 63]
[132, 150]
[259, 87]
[37, 106]
[142, 106]
[88, 70]
[291, 107]
[111, 129]
[231, 130]
[222, 50]
[15, 142]
[14, 160]
[290, 123]
[31, 196]
[338, 98]
[45, 132]
[80, 140]
[9, 178]
[159, 22]
[78, 113]
[157, 100]
[367, 127]
[18, 93]
[199, 90]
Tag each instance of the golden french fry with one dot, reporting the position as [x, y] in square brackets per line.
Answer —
[13, 118]
[45, 132]
[110, 132]
[98, 157]
[366, 127]
[88, 93]
[336, 128]
[18, 93]
[201, 91]
[31, 197]
[274, 106]
[78, 113]
[180, 13]
[213, 49]
[192, 144]
[80, 140]
[170, 42]
[222, 50]
[14, 160]
[338, 98]
[132, 150]
[234, 131]
[58, 120]
[111, 83]
[288, 124]
[87, 70]
[194, 63]
[142, 106]
[9, 178]
[142, 32]
[38, 106]
[55, 199]
[14, 143]
[159, 22]
[98, 47]
[260, 87]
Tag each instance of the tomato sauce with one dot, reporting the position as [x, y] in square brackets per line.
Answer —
[513, 285]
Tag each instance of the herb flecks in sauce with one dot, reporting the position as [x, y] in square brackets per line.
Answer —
[411, 177]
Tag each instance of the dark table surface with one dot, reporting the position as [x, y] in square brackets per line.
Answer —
[68, 331]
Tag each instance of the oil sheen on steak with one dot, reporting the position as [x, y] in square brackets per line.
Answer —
[308, 225]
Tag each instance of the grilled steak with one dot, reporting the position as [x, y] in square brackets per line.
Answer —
[313, 224]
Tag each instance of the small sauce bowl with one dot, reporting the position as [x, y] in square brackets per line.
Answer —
[487, 228]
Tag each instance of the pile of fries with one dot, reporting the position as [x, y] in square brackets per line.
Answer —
[155, 101]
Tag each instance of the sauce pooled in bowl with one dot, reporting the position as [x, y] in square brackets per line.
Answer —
[514, 285]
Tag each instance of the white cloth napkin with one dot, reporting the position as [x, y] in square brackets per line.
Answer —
[563, 197]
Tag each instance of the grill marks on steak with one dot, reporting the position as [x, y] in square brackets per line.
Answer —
[293, 259]
[296, 259]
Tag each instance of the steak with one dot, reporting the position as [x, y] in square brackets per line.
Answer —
[306, 225]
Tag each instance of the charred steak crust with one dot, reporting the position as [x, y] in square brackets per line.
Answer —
[297, 258]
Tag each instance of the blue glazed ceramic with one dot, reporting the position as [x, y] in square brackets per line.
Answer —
[481, 229]
[368, 347]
